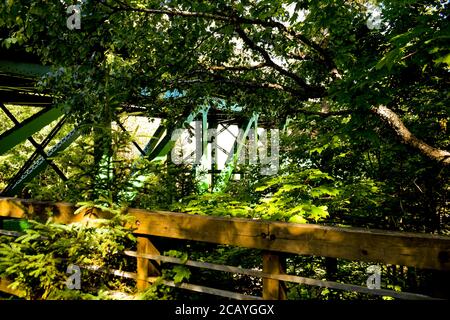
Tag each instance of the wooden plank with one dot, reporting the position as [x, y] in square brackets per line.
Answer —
[285, 277]
[4, 287]
[208, 290]
[272, 288]
[118, 273]
[144, 266]
[187, 286]
[231, 231]
[62, 212]
[398, 248]
[14, 234]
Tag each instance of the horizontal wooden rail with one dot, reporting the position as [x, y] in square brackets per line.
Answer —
[398, 248]
[10, 233]
[207, 290]
[283, 277]
[4, 284]
[186, 286]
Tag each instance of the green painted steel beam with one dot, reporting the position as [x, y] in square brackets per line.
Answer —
[225, 174]
[201, 154]
[156, 150]
[163, 147]
[24, 98]
[39, 148]
[11, 82]
[40, 164]
[17, 83]
[168, 141]
[205, 131]
[27, 70]
[154, 140]
[28, 127]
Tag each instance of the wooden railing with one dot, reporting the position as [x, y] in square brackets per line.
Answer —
[377, 246]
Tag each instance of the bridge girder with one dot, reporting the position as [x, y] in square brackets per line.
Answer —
[17, 88]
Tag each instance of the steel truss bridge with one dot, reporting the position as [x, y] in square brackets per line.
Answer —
[17, 88]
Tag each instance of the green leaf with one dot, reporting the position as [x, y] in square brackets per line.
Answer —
[323, 190]
[443, 59]
[297, 219]
[389, 59]
[319, 150]
[181, 273]
[318, 213]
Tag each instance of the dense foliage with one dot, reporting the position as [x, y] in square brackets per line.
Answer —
[364, 106]
[37, 261]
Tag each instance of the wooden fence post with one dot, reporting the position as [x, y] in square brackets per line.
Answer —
[144, 267]
[273, 289]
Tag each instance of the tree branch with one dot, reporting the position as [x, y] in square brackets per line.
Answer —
[245, 84]
[315, 92]
[406, 137]
[316, 47]
[325, 114]
[236, 68]
[252, 45]
[234, 19]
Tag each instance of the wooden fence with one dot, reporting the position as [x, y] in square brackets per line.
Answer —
[376, 246]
